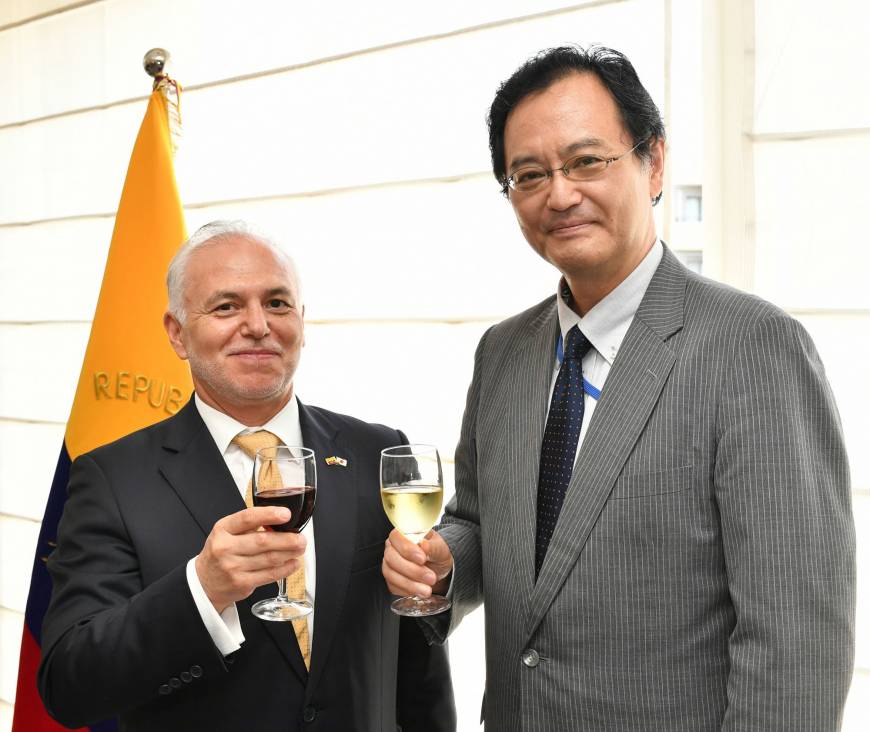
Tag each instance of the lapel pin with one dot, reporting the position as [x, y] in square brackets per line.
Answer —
[333, 460]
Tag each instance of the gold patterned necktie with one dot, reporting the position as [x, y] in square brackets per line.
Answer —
[250, 443]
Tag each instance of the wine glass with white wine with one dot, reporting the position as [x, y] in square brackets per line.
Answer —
[412, 489]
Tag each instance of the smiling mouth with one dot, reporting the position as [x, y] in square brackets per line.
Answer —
[568, 228]
[255, 354]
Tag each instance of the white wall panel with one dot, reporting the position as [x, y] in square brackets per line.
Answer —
[466, 650]
[407, 113]
[843, 343]
[17, 544]
[445, 251]
[411, 377]
[61, 60]
[40, 369]
[11, 79]
[11, 624]
[92, 55]
[857, 714]
[413, 112]
[810, 239]
[28, 456]
[809, 57]
[15, 11]
[67, 166]
[59, 278]
[861, 508]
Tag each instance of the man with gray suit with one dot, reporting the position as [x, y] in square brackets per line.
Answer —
[652, 493]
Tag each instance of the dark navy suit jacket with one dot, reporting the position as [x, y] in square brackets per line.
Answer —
[123, 637]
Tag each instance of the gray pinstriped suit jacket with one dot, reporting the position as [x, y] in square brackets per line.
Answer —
[701, 575]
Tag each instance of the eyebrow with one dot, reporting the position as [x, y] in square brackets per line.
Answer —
[564, 152]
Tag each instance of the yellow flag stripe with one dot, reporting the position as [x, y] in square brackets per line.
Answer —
[130, 376]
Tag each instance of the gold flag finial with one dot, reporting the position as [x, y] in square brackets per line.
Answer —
[155, 63]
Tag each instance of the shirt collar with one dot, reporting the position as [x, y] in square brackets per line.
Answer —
[223, 428]
[606, 324]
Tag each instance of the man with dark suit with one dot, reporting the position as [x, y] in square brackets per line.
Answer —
[158, 561]
[652, 493]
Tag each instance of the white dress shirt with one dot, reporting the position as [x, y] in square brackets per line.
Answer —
[604, 326]
[224, 628]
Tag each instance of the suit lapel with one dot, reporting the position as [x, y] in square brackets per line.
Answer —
[633, 387]
[194, 467]
[334, 531]
[528, 372]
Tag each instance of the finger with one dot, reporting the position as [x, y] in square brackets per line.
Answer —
[411, 570]
[436, 549]
[399, 584]
[272, 574]
[267, 561]
[260, 542]
[250, 519]
[406, 548]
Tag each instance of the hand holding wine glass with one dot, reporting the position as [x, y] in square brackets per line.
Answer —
[412, 490]
[232, 564]
[285, 476]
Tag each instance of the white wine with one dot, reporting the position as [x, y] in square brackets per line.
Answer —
[413, 508]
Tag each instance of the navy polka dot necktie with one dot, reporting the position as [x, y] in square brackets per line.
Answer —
[560, 441]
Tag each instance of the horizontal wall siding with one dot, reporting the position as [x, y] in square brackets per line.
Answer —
[92, 55]
[28, 457]
[407, 113]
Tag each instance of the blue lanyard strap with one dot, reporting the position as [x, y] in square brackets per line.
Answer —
[587, 387]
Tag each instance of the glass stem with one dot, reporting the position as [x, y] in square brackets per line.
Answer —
[282, 590]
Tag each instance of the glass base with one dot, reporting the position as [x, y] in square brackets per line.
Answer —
[282, 610]
[420, 607]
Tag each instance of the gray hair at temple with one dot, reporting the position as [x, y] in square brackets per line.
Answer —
[211, 233]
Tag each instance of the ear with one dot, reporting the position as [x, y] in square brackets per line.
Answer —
[656, 167]
[303, 325]
[174, 331]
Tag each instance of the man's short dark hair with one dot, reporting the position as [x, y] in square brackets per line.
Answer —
[640, 116]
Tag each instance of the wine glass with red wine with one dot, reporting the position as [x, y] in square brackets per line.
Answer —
[285, 476]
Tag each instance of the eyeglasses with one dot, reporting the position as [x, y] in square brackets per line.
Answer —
[579, 168]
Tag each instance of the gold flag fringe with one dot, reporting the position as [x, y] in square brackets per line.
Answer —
[171, 89]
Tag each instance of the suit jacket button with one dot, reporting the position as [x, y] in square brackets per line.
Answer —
[186, 677]
[164, 690]
[175, 682]
[196, 671]
[530, 657]
[309, 714]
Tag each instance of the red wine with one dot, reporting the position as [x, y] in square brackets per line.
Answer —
[299, 499]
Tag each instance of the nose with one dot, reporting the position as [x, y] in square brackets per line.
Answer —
[563, 193]
[255, 324]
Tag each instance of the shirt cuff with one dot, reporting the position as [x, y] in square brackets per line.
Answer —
[224, 628]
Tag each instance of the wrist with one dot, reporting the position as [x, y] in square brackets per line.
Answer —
[218, 603]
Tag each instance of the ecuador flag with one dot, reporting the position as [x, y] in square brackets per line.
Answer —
[130, 377]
